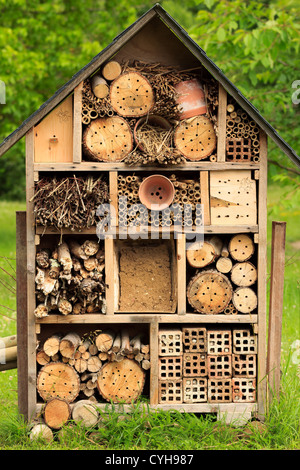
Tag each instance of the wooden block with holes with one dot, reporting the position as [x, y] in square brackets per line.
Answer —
[233, 198]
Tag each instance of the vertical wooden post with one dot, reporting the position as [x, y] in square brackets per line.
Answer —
[221, 146]
[205, 196]
[110, 275]
[154, 361]
[77, 124]
[262, 276]
[113, 196]
[31, 251]
[181, 274]
[21, 265]
[275, 308]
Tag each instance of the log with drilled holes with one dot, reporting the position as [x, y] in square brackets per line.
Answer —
[131, 95]
[195, 138]
[58, 380]
[244, 274]
[107, 139]
[209, 292]
[244, 299]
[121, 381]
[241, 247]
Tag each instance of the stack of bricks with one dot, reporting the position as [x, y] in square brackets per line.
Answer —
[198, 365]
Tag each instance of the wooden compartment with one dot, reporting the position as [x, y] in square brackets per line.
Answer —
[144, 277]
[53, 136]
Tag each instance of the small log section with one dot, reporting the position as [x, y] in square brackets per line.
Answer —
[201, 254]
[56, 413]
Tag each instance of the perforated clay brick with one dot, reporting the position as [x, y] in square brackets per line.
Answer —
[194, 389]
[194, 365]
[219, 342]
[244, 365]
[219, 366]
[243, 390]
[170, 342]
[194, 340]
[244, 342]
[170, 391]
[170, 368]
[219, 390]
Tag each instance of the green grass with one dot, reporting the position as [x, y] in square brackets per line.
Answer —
[162, 430]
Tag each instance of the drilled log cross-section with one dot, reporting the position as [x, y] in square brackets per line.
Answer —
[241, 247]
[209, 292]
[195, 138]
[58, 380]
[131, 95]
[121, 381]
[108, 139]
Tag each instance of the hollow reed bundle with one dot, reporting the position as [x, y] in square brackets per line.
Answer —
[69, 202]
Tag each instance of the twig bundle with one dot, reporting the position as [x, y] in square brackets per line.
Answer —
[69, 202]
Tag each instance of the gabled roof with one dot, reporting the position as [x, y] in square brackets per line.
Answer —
[192, 48]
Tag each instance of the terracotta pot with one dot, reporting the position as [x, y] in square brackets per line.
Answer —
[190, 98]
[156, 192]
[153, 120]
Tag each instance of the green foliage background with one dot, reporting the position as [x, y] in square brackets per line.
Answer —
[44, 43]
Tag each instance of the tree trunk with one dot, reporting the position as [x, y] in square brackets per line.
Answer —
[85, 413]
[111, 70]
[104, 341]
[99, 86]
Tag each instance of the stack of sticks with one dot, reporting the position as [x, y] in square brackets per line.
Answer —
[184, 209]
[87, 354]
[69, 201]
[70, 279]
[242, 135]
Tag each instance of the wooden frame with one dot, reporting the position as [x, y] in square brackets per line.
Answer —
[182, 315]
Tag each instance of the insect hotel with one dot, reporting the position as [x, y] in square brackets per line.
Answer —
[142, 252]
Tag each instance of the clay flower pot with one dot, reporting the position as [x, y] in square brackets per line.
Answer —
[156, 192]
[152, 120]
[190, 99]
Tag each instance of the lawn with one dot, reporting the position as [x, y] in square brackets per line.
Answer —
[168, 431]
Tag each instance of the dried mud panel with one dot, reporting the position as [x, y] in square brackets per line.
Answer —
[147, 276]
